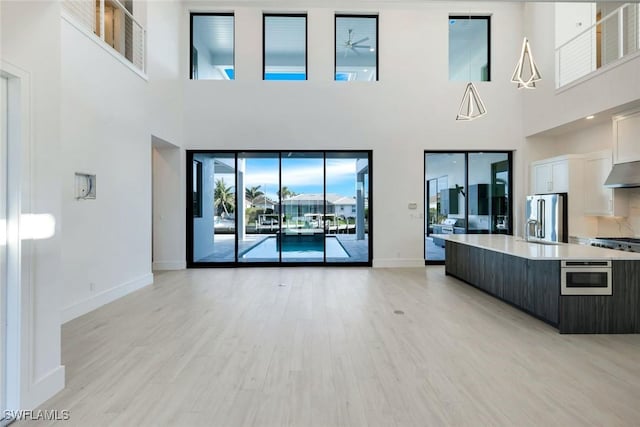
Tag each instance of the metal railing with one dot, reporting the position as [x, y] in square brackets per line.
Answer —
[114, 23]
[607, 41]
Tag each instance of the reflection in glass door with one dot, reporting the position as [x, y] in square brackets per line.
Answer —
[466, 192]
[445, 174]
[488, 193]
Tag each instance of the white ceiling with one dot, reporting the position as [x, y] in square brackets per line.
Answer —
[467, 48]
[362, 27]
[285, 38]
[215, 35]
[285, 35]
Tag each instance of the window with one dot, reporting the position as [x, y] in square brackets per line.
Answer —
[284, 47]
[469, 48]
[356, 44]
[279, 208]
[212, 46]
[197, 189]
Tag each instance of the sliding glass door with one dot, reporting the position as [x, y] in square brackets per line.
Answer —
[290, 208]
[302, 189]
[346, 220]
[465, 193]
[213, 210]
[259, 220]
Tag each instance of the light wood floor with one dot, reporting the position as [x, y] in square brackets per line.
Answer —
[323, 347]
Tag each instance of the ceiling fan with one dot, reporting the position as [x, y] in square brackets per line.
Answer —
[351, 45]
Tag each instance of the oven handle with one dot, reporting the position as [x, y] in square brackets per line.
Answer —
[586, 264]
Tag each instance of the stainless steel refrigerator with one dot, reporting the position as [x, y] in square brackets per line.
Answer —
[547, 218]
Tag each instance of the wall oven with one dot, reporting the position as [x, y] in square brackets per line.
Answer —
[588, 277]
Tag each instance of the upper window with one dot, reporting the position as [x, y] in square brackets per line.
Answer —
[469, 48]
[356, 48]
[212, 46]
[284, 47]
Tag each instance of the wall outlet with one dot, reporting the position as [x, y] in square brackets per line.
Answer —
[92, 286]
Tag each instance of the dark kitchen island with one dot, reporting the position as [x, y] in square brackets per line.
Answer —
[528, 275]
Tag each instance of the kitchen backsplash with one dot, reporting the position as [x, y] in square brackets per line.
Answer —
[630, 226]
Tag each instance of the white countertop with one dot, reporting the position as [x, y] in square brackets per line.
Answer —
[516, 246]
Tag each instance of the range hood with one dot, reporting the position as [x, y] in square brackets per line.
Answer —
[624, 175]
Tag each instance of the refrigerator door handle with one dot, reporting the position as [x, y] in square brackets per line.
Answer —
[543, 215]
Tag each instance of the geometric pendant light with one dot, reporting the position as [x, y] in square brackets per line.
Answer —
[471, 106]
[526, 73]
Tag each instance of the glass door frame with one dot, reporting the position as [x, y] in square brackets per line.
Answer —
[466, 153]
[189, 211]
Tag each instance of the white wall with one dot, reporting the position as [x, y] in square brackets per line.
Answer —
[106, 242]
[31, 43]
[545, 108]
[165, 111]
[571, 20]
[164, 39]
[411, 108]
[168, 217]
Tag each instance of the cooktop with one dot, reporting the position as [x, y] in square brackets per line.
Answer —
[630, 244]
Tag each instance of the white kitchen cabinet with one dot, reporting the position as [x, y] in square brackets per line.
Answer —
[600, 200]
[626, 137]
[564, 174]
[550, 176]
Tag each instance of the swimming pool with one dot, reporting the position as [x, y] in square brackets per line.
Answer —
[268, 249]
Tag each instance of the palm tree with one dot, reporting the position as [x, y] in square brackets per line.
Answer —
[285, 193]
[253, 193]
[223, 197]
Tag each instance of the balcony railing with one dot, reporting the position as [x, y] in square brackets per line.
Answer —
[114, 23]
[606, 42]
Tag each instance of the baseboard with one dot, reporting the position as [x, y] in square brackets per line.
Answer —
[169, 265]
[105, 297]
[398, 263]
[44, 389]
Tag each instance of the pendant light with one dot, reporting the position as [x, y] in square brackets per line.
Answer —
[471, 106]
[526, 65]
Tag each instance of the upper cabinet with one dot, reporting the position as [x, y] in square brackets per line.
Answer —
[563, 174]
[550, 176]
[600, 200]
[626, 137]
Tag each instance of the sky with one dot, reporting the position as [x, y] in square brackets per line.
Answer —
[300, 175]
